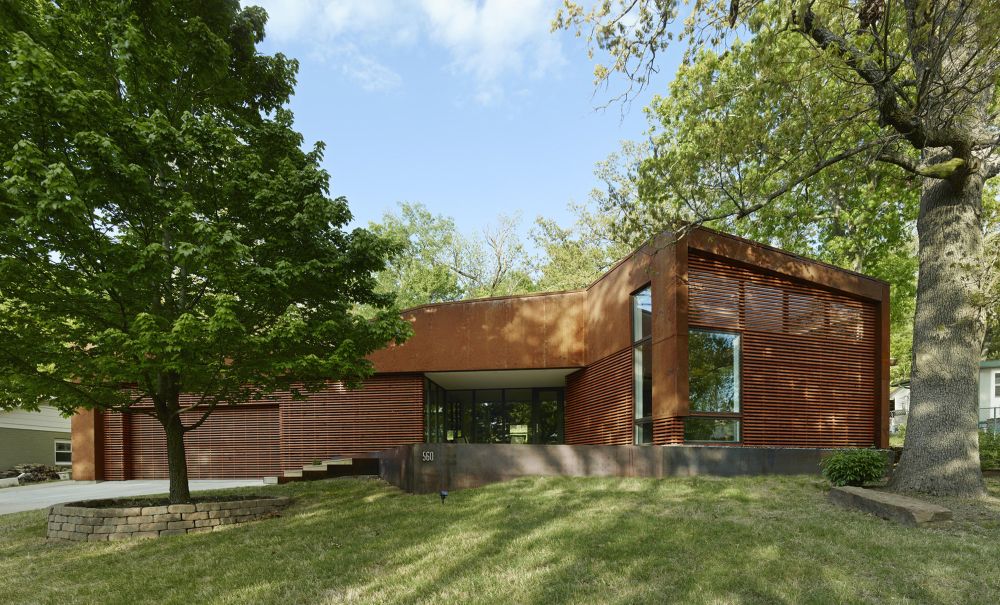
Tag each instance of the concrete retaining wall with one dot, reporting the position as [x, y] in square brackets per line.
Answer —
[430, 467]
[76, 521]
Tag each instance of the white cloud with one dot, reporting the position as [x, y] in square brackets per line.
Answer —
[490, 41]
[495, 37]
[370, 74]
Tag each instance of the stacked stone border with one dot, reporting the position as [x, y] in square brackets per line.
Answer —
[76, 521]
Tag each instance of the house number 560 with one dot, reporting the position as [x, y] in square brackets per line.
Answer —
[427, 456]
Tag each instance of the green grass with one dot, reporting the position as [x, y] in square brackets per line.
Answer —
[554, 540]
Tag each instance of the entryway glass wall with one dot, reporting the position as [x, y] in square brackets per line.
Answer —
[522, 415]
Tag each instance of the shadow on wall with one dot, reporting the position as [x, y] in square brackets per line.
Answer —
[427, 468]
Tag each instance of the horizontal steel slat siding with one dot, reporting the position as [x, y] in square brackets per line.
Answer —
[114, 447]
[599, 402]
[260, 439]
[668, 430]
[235, 442]
[387, 412]
[809, 364]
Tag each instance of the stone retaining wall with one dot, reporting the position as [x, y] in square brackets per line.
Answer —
[76, 521]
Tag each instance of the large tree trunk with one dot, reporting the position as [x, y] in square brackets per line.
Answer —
[177, 460]
[167, 403]
[941, 453]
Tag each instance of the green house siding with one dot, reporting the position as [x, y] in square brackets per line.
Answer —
[19, 446]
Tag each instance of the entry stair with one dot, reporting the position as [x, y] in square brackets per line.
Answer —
[328, 469]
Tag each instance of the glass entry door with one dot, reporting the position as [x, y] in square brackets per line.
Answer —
[531, 415]
[549, 416]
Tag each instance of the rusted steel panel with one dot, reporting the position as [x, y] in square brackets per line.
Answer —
[600, 401]
[785, 263]
[810, 368]
[88, 459]
[511, 333]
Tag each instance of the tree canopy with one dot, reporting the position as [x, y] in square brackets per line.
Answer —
[162, 231]
[824, 122]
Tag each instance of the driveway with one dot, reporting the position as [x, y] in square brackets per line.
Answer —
[44, 495]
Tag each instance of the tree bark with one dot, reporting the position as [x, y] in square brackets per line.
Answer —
[167, 405]
[177, 460]
[941, 453]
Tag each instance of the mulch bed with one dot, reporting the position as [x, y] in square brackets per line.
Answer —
[161, 501]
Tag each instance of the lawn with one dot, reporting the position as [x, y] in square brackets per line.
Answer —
[552, 540]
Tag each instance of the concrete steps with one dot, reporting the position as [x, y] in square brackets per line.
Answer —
[326, 469]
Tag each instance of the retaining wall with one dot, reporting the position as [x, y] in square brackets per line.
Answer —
[430, 467]
[76, 521]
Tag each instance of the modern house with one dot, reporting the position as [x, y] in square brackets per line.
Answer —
[899, 406]
[41, 437]
[709, 339]
[989, 395]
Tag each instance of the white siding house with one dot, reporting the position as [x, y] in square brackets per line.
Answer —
[899, 406]
[41, 437]
[989, 395]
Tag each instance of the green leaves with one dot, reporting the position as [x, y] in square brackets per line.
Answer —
[854, 467]
[160, 223]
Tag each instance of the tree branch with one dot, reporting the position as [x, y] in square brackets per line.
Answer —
[744, 211]
[993, 170]
[941, 170]
[204, 416]
[886, 92]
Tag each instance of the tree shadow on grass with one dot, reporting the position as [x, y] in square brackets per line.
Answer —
[534, 540]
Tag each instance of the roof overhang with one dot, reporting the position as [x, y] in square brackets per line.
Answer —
[501, 379]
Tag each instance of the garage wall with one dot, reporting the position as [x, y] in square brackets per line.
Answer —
[257, 440]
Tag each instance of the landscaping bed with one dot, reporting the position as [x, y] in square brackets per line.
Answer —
[34, 473]
[100, 520]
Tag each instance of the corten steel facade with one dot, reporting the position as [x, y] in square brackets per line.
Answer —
[809, 343]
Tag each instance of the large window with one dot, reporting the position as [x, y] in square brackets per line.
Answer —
[642, 360]
[713, 386]
[493, 415]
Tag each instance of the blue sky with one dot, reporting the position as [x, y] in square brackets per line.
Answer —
[472, 108]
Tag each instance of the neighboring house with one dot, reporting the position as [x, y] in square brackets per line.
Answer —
[899, 406]
[714, 340]
[41, 437]
[989, 395]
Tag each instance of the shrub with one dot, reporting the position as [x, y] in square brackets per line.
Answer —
[989, 450]
[854, 467]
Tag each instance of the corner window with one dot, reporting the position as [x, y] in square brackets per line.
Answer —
[64, 453]
[642, 360]
[713, 386]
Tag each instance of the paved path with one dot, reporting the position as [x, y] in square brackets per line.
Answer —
[44, 495]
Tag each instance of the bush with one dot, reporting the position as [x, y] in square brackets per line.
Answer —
[989, 450]
[854, 467]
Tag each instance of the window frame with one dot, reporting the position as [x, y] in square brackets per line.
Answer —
[646, 422]
[56, 452]
[738, 377]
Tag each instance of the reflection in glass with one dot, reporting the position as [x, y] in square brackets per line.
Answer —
[494, 415]
[642, 314]
[713, 371]
[642, 360]
[702, 428]
[490, 417]
[643, 357]
[550, 417]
